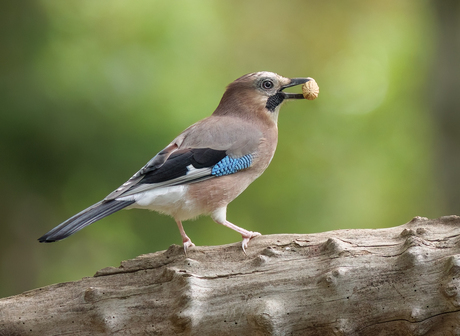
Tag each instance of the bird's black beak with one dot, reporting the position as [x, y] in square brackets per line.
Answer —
[294, 82]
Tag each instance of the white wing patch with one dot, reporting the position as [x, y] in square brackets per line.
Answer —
[192, 175]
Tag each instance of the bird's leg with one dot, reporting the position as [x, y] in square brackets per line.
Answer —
[185, 239]
[220, 216]
[247, 235]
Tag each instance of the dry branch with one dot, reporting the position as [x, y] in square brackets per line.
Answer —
[403, 280]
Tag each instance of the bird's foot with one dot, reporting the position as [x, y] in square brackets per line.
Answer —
[185, 239]
[247, 238]
[187, 243]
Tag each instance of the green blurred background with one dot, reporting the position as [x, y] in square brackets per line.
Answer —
[91, 90]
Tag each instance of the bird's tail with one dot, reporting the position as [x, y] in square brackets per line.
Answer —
[83, 219]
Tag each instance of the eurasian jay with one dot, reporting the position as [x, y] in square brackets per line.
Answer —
[208, 165]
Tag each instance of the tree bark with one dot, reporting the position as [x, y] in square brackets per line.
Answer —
[403, 280]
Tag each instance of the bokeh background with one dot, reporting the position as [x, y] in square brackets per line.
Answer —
[90, 90]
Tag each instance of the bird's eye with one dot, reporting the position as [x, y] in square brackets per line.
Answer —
[267, 84]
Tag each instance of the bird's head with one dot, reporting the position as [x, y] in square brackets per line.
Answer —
[257, 94]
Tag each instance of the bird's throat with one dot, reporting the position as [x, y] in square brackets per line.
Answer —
[274, 101]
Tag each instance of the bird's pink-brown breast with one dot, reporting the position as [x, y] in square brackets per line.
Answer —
[218, 192]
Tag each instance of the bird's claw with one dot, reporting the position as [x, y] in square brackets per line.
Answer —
[187, 243]
[247, 238]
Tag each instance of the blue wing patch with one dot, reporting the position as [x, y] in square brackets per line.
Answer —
[229, 165]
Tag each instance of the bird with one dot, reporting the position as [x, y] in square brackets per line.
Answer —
[207, 165]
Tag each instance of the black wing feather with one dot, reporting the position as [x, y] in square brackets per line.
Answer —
[174, 166]
[177, 163]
